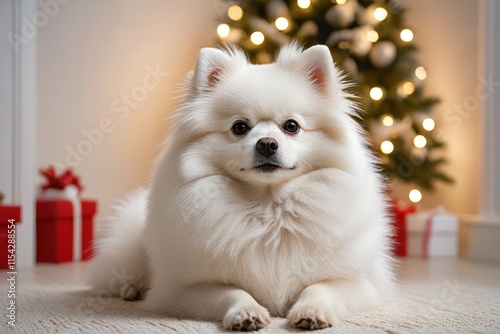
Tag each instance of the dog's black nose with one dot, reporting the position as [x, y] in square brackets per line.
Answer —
[267, 146]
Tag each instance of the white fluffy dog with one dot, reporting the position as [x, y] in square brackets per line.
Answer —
[266, 202]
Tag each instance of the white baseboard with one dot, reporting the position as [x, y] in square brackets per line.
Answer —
[484, 239]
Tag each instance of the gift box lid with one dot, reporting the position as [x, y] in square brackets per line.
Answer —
[9, 212]
[441, 222]
[62, 208]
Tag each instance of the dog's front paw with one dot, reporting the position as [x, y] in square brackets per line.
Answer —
[311, 317]
[246, 319]
[130, 292]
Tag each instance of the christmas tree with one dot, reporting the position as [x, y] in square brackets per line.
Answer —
[370, 41]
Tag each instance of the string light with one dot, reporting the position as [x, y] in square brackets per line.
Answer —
[380, 14]
[428, 124]
[257, 38]
[303, 3]
[406, 35]
[387, 120]
[372, 36]
[281, 23]
[386, 147]
[419, 141]
[415, 195]
[406, 88]
[341, 2]
[376, 93]
[235, 13]
[421, 73]
[223, 30]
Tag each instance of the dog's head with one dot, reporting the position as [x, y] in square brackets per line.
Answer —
[264, 123]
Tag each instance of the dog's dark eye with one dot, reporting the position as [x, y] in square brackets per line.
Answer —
[240, 128]
[291, 126]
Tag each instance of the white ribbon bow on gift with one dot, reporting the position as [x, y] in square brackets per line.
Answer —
[70, 193]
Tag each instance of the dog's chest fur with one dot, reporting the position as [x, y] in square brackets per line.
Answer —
[274, 253]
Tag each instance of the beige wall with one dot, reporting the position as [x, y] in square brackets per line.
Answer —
[91, 55]
[448, 35]
[92, 52]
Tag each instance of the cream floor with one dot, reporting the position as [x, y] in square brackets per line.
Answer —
[436, 296]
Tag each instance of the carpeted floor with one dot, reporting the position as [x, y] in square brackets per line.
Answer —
[436, 296]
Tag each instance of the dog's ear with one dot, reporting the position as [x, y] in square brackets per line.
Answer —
[315, 63]
[213, 66]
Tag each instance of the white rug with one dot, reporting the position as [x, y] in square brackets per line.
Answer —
[420, 308]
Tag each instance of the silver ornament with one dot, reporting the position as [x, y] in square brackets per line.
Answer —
[382, 54]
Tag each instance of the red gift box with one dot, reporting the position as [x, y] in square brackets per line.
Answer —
[7, 212]
[54, 229]
[399, 210]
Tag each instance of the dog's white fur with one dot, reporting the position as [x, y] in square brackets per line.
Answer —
[223, 241]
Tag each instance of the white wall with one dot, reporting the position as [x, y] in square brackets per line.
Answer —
[6, 106]
[18, 120]
[91, 55]
[448, 34]
[490, 202]
[483, 231]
